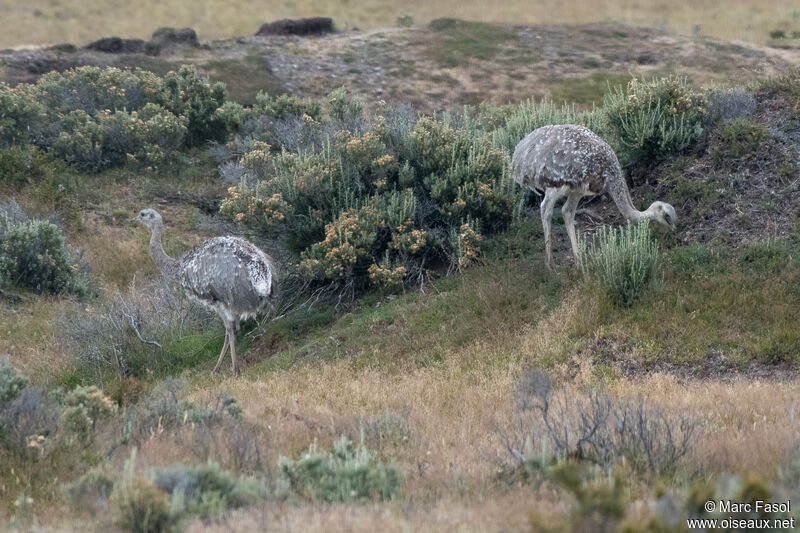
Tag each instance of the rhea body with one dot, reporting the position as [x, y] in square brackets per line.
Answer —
[570, 161]
[228, 275]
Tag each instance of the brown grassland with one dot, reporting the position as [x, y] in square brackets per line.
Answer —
[53, 21]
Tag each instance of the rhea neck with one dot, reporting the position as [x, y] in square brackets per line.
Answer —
[167, 265]
[617, 189]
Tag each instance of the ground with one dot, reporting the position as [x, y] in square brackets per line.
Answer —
[450, 62]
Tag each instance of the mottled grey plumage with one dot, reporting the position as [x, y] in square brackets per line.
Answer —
[571, 161]
[228, 275]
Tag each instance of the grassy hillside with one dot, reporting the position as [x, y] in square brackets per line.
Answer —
[50, 22]
[424, 371]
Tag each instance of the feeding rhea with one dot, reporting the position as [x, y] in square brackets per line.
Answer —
[228, 275]
[571, 161]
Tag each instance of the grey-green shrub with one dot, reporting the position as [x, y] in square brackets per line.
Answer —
[21, 115]
[188, 94]
[625, 261]
[34, 255]
[11, 382]
[90, 491]
[371, 204]
[651, 119]
[208, 490]
[346, 473]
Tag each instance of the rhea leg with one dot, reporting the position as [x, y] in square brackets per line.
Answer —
[570, 206]
[234, 363]
[550, 197]
[224, 348]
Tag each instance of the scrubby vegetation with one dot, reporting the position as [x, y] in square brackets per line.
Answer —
[34, 255]
[625, 261]
[422, 353]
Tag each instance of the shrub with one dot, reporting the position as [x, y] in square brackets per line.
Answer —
[208, 489]
[141, 507]
[90, 491]
[185, 93]
[625, 261]
[130, 333]
[83, 408]
[21, 115]
[25, 412]
[28, 165]
[346, 473]
[740, 138]
[372, 204]
[725, 105]
[97, 89]
[592, 426]
[34, 255]
[344, 106]
[285, 105]
[649, 120]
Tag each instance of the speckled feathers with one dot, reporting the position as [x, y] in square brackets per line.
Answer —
[564, 155]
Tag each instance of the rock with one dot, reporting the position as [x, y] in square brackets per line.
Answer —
[117, 45]
[306, 26]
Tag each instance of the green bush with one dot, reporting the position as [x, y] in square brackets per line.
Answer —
[208, 490]
[11, 382]
[371, 207]
[21, 115]
[185, 93]
[346, 473]
[625, 261]
[90, 491]
[649, 120]
[740, 138]
[97, 89]
[27, 165]
[343, 106]
[34, 255]
[83, 408]
[143, 508]
[285, 105]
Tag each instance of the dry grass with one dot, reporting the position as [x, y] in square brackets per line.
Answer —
[51, 21]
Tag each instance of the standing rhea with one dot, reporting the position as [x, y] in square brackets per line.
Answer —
[570, 161]
[228, 275]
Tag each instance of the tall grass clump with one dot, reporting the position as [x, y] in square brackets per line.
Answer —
[346, 473]
[625, 261]
[650, 119]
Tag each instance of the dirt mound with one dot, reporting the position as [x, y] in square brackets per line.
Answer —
[306, 26]
[168, 39]
[117, 45]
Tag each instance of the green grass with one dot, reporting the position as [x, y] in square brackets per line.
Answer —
[244, 77]
[586, 90]
[463, 40]
[711, 301]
